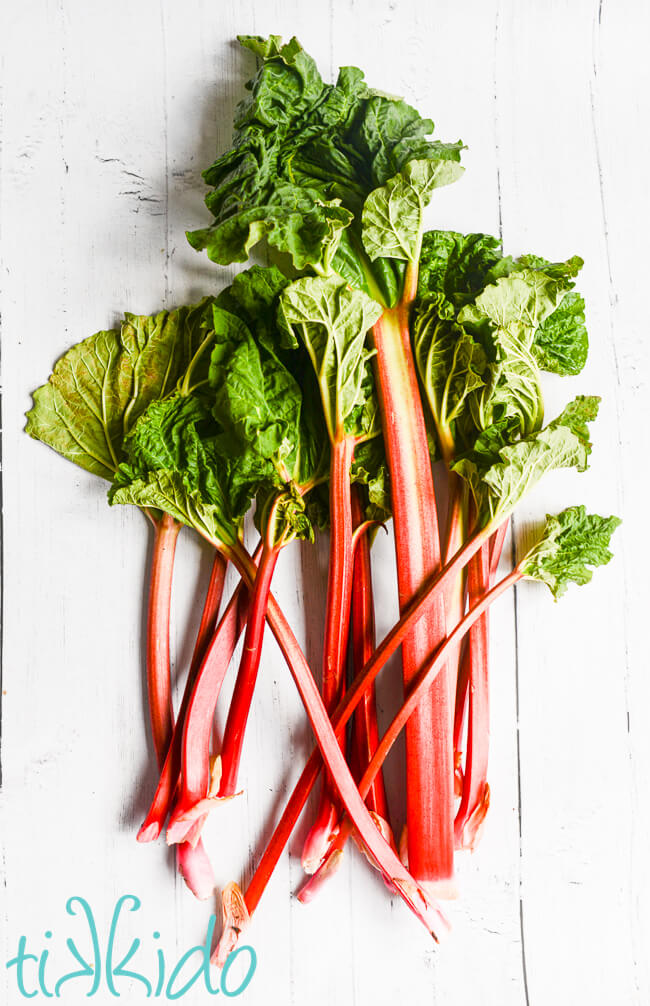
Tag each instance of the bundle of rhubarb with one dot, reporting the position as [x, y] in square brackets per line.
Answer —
[322, 392]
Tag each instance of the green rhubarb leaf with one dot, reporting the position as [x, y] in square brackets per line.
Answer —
[305, 156]
[332, 320]
[451, 366]
[287, 83]
[575, 417]
[180, 435]
[561, 342]
[101, 386]
[571, 543]
[168, 491]
[254, 295]
[505, 317]
[497, 487]
[455, 267]
[257, 401]
[522, 313]
[283, 516]
[370, 469]
[514, 306]
[264, 392]
[392, 215]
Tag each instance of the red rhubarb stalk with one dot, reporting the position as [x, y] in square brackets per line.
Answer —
[495, 547]
[345, 710]
[197, 729]
[209, 615]
[463, 684]
[193, 862]
[213, 666]
[366, 732]
[240, 704]
[339, 593]
[475, 798]
[429, 749]
[160, 589]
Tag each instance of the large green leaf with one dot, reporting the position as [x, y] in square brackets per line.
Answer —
[256, 399]
[265, 396]
[455, 267]
[571, 542]
[498, 485]
[392, 215]
[169, 492]
[332, 321]
[101, 386]
[561, 342]
[305, 155]
[505, 317]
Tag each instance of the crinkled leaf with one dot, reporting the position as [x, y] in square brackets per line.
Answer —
[571, 542]
[505, 317]
[332, 321]
[100, 387]
[575, 416]
[522, 313]
[498, 487]
[265, 394]
[451, 366]
[514, 306]
[256, 293]
[561, 342]
[257, 402]
[287, 83]
[392, 215]
[370, 469]
[179, 435]
[293, 220]
[168, 491]
[283, 516]
[305, 156]
[454, 267]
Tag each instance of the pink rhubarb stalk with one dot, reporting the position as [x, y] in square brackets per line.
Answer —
[193, 863]
[475, 798]
[240, 704]
[211, 662]
[160, 589]
[366, 732]
[339, 593]
[429, 749]
[193, 801]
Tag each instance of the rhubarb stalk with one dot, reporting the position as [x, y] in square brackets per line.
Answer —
[366, 732]
[339, 594]
[429, 749]
[160, 587]
[235, 729]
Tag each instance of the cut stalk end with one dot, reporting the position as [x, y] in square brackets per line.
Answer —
[235, 920]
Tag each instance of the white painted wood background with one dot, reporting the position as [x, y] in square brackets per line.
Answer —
[110, 111]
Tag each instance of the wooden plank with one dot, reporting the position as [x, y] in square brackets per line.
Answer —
[575, 775]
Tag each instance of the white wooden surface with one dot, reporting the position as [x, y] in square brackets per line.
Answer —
[110, 111]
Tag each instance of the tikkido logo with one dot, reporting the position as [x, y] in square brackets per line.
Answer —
[104, 968]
